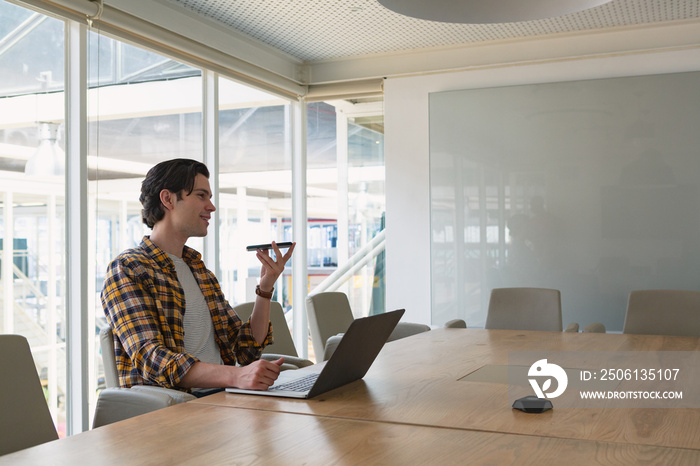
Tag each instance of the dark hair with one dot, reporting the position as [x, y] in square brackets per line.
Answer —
[174, 175]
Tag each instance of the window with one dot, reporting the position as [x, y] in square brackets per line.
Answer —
[144, 108]
[32, 199]
[255, 184]
[345, 198]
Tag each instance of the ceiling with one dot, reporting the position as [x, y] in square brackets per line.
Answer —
[319, 49]
[316, 30]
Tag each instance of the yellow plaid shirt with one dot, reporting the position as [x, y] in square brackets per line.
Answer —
[145, 304]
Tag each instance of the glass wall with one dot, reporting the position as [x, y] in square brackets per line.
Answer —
[588, 187]
[32, 199]
[345, 198]
[144, 108]
[255, 186]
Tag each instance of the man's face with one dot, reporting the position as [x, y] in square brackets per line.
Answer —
[192, 213]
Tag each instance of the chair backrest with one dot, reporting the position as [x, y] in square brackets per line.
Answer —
[283, 343]
[595, 327]
[109, 360]
[572, 327]
[329, 314]
[406, 329]
[455, 323]
[524, 309]
[25, 420]
[663, 312]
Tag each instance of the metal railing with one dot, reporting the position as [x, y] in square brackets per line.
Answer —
[361, 258]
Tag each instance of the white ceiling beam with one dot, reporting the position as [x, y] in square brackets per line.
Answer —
[565, 46]
[358, 109]
[175, 18]
[170, 30]
[264, 63]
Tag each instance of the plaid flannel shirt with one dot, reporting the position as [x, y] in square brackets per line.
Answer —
[144, 303]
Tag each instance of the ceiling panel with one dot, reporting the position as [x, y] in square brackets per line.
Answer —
[315, 30]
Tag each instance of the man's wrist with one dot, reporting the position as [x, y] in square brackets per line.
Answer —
[264, 294]
[234, 375]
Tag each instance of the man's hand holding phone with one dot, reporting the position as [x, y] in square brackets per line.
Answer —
[272, 268]
[265, 247]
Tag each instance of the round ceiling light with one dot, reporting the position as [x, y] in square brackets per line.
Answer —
[488, 11]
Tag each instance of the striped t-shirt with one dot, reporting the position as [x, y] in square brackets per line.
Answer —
[197, 323]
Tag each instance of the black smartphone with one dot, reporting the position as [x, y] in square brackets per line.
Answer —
[255, 247]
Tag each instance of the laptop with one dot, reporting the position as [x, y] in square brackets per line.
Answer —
[351, 360]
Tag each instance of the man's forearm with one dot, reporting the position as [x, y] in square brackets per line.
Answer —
[256, 376]
[260, 319]
[206, 375]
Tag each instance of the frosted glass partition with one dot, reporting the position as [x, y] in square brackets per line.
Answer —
[589, 187]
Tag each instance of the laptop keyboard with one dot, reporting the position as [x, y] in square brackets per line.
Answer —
[303, 384]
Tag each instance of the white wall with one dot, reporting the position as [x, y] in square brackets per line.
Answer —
[407, 152]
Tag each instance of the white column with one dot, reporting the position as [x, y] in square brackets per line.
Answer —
[210, 136]
[77, 350]
[297, 122]
[53, 307]
[91, 306]
[8, 324]
[343, 222]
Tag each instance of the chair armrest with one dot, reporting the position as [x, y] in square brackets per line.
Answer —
[406, 329]
[177, 396]
[117, 404]
[295, 361]
[331, 344]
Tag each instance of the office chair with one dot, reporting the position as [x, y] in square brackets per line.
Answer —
[663, 312]
[572, 328]
[283, 345]
[455, 323]
[116, 403]
[524, 309]
[25, 420]
[406, 329]
[330, 315]
[595, 327]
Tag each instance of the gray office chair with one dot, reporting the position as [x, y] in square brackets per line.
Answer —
[595, 327]
[406, 329]
[116, 403]
[283, 345]
[455, 323]
[330, 315]
[524, 309]
[25, 420]
[572, 328]
[663, 312]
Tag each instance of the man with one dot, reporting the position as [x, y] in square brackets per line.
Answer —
[172, 325]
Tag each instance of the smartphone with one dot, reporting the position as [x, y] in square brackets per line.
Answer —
[255, 247]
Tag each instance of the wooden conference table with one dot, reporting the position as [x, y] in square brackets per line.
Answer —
[412, 407]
